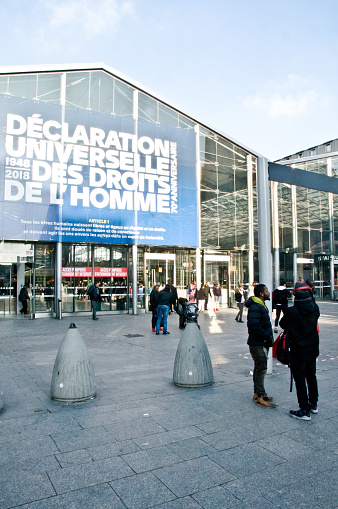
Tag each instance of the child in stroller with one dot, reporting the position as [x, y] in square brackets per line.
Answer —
[187, 312]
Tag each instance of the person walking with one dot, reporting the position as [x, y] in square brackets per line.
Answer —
[239, 296]
[202, 293]
[217, 292]
[24, 298]
[301, 324]
[164, 299]
[280, 301]
[95, 297]
[207, 293]
[260, 340]
[153, 306]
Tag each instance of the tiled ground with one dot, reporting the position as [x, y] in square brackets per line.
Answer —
[143, 442]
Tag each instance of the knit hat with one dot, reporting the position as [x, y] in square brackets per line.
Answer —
[302, 292]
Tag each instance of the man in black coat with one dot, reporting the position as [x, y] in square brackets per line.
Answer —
[301, 323]
[94, 295]
[164, 300]
[260, 339]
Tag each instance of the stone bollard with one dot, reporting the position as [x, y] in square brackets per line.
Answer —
[73, 375]
[192, 367]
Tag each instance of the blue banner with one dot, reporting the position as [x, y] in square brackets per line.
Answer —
[81, 176]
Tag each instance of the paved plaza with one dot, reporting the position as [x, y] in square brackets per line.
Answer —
[144, 442]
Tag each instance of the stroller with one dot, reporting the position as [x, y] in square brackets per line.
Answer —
[187, 311]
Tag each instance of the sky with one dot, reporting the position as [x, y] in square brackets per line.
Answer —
[264, 72]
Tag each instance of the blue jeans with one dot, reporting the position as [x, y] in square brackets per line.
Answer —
[162, 310]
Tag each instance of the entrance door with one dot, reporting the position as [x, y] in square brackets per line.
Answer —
[159, 268]
[216, 268]
[8, 289]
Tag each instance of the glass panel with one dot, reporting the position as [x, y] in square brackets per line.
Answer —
[44, 277]
[123, 99]
[185, 123]
[82, 259]
[49, 87]
[3, 84]
[102, 92]
[168, 116]
[147, 108]
[8, 289]
[77, 89]
[241, 179]
[23, 86]
[208, 177]
[226, 182]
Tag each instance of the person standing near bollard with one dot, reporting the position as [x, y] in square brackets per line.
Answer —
[259, 340]
[95, 297]
[301, 324]
[164, 299]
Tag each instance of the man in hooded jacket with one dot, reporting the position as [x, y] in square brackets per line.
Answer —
[301, 323]
[259, 340]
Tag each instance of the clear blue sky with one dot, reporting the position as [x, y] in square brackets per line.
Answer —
[262, 71]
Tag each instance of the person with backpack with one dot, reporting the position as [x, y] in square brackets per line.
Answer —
[280, 301]
[301, 324]
[260, 340]
[95, 297]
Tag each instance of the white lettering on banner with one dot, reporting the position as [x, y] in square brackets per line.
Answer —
[173, 173]
[98, 271]
[123, 171]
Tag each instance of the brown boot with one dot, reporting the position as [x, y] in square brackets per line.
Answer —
[264, 401]
[255, 397]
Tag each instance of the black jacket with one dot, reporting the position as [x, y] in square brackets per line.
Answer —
[94, 293]
[280, 297]
[153, 298]
[259, 324]
[300, 321]
[165, 297]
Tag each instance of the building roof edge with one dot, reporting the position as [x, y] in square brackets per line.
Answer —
[18, 69]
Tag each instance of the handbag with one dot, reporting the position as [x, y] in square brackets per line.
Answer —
[283, 351]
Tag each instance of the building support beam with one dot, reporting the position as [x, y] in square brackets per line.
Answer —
[264, 234]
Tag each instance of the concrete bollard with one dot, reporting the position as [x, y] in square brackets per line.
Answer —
[2, 402]
[192, 367]
[73, 376]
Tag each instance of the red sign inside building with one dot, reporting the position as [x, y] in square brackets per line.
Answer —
[86, 272]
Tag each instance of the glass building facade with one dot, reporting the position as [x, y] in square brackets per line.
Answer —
[304, 223]
[59, 272]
